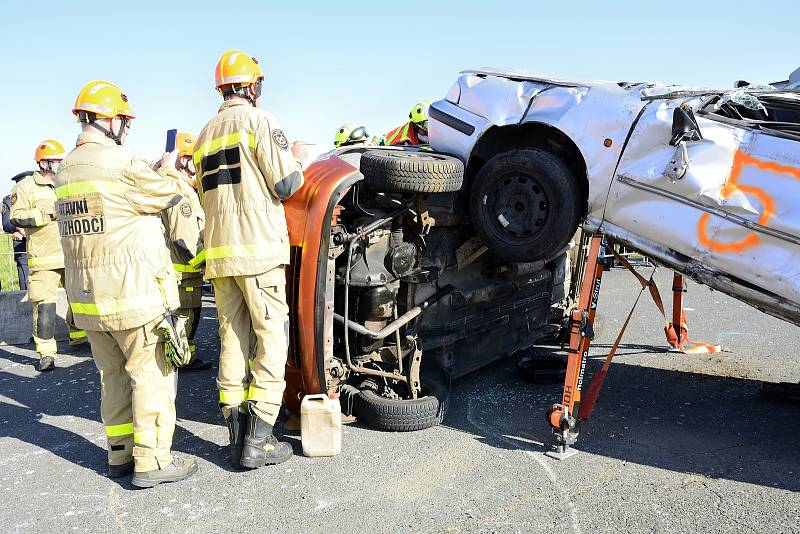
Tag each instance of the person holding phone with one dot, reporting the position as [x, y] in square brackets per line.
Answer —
[245, 170]
[184, 224]
[121, 284]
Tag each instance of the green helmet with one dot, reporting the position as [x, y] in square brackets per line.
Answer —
[348, 134]
[419, 113]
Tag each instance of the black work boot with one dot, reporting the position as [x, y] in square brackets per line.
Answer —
[196, 365]
[120, 470]
[260, 446]
[46, 363]
[237, 424]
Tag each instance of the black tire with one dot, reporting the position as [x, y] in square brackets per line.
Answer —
[547, 370]
[393, 415]
[525, 204]
[411, 171]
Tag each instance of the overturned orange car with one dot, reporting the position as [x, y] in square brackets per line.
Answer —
[391, 293]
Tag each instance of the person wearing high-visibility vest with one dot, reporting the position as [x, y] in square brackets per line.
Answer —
[32, 209]
[120, 282]
[245, 170]
[184, 224]
[415, 131]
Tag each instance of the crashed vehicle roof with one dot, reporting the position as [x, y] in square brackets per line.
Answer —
[651, 89]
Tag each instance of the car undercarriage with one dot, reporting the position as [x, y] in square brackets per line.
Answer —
[422, 299]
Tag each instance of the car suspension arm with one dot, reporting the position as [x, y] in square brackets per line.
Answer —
[398, 323]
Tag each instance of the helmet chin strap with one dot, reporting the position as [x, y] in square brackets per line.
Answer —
[181, 166]
[257, 92]
[244, 92]
[46, 166]
[117, 138]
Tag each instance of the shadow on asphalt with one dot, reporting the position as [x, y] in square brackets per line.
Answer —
[62, 392]
[702, 424]
[74, 390]
[712, 426]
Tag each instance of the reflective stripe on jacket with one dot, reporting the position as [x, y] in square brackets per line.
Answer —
[403, 135]
[118, 272]
[32, 208]
[184, 223]
[244, 170]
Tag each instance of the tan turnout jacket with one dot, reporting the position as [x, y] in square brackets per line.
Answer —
[244, 170]
[117, 267]
[32, 208]
[184, 223]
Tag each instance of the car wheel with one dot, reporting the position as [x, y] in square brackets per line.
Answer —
[525, 204]
[398, 415]
[400, 171]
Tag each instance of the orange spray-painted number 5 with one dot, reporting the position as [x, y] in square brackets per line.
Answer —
[740, 160]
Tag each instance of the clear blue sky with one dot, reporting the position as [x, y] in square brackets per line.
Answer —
[331, 62]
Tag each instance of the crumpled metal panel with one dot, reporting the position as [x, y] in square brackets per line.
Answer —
[705, 215]
[653, 209]
[590, 116]
[500, 100]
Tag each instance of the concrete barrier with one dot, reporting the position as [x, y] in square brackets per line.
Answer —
[16, 317]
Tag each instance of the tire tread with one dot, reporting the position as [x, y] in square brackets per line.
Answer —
[385, 171]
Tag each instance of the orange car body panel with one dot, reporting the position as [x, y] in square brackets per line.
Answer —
[308, 213]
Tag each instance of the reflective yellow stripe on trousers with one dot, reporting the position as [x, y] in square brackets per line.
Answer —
[110, 307]
[151, 437]
[44, 260]
[116, 431]
[257, 394]
[232, 397]
[77, 334]
[83, 188]
[235, 251]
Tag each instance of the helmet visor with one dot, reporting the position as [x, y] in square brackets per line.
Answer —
[359, 134]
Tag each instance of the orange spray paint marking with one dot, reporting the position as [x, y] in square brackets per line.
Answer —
[740, 159]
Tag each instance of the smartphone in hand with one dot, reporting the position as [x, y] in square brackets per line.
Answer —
[171, 136]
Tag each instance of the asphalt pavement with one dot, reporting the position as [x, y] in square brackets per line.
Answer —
[677, 443]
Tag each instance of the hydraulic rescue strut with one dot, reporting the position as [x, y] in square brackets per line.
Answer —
[562, 417]
[565, 418]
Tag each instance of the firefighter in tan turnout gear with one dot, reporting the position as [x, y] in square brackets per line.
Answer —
[120, 282]
[184, 224]
[32, 208]
[244, 171]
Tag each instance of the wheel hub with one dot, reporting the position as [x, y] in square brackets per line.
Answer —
[519, 206]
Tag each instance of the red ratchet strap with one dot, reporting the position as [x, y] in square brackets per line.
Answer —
[676, 342]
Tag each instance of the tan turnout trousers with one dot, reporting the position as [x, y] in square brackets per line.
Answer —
[120, 282]
[32, 208]
[136, 379]
[254, 335]
[43, 289]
